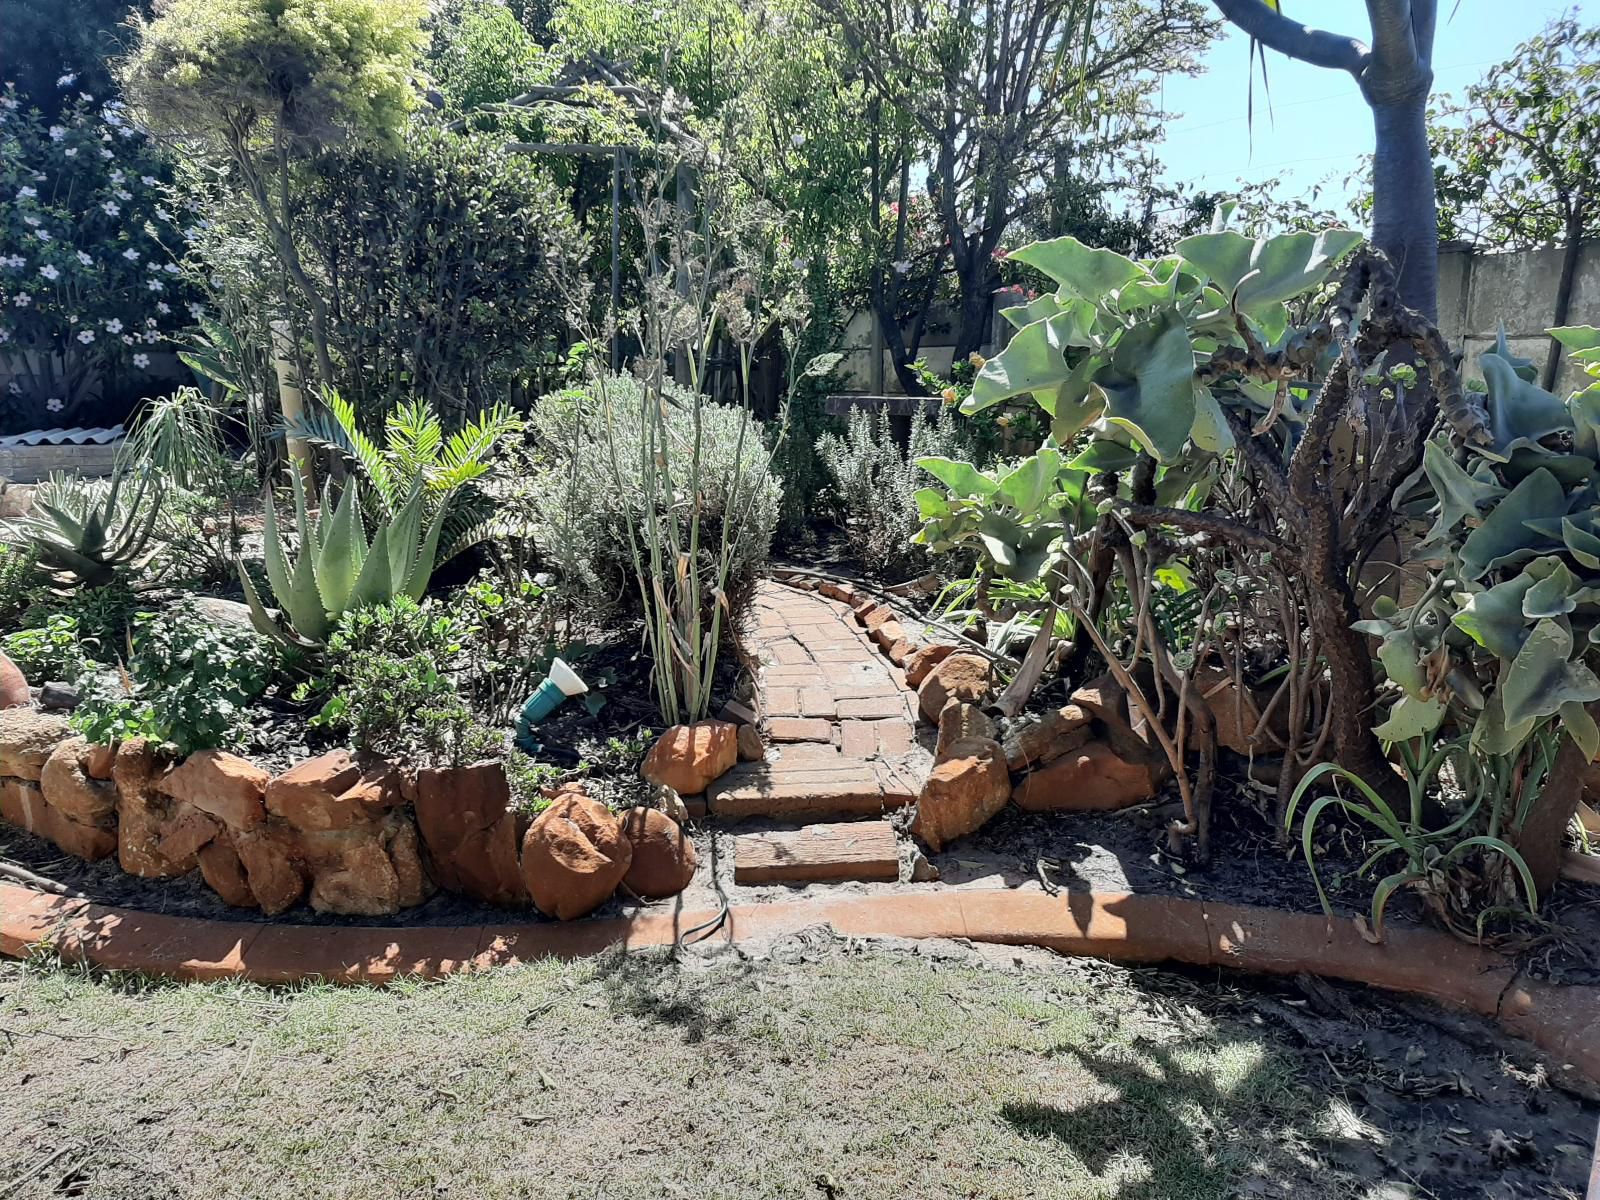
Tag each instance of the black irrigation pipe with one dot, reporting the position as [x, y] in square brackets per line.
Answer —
[40, 882]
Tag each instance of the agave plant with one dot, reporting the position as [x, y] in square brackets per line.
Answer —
[88, 532]
[416, 455]
[337, 568]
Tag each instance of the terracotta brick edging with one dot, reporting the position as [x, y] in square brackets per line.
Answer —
[1564, 1021]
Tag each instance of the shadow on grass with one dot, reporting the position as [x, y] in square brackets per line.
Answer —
[1153, 1119]
[656, 986]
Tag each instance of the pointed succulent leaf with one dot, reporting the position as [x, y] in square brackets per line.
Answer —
[1034, 361]
[1401, 657]
[1410, 718]
[1504, 537]
[404, 532]
[422, 565]
[1552, 596]
[1103, 454]
[1543, 676]
[1149, 385]
[375, 584]
[1523, 367]
[344, 548]
[1493, 617]
[962, 478]
[1581, 728]
[1460, 494]
[1520, 411]
[1261, 272]
[931, 503]
[1581, 541]
[1026, 485]
[1576, 337]
[1078, 269]
[1210, 430]
[1020, 316]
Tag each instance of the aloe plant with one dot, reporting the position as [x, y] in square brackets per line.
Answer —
[87, 533]
[337, 568]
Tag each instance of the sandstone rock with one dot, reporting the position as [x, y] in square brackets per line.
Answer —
[68, 788]
[690, 758]
[959, 677]
[464, 817]
[962, 792]
[405, 856]
[368, 871]
[224, 614]
[14, 691]
[23, 805]
[573, 857]
[889, 634]
[663, 859]
[960, 720]
[143, 813]
[224, 873]
[222, 785]
[1234, 709]
[1091, 779]
[274, 880]
[16, 499]
[98, 761]
[1046, 739]
[26, 739]
[1104, 699]
[186, 831]
[333, 791]
[751, 747]
[900, 653]
[922, 663]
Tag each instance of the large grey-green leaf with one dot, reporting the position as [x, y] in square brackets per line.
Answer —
[1025, 486]
[1493, 618]
[1460, 494]
[1581, 728]
[1149, 384]
[962, 478]
[1520, 412]
[1552, 596]
[1543, 676]
[1504, 536]
[1265, 271]
[1081, 270]
[1035, 361]
[1410, 718]
[1021, 316]
[1401, 657]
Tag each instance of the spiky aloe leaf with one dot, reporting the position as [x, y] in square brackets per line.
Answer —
[261, 618]
[344, 549]
[274, 555]
[422, 566]
[405, 531]
[375, 584]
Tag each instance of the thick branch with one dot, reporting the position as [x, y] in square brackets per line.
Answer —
[1143, 516]
[1314, 46]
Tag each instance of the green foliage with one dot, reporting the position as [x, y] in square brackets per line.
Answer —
[337, 568]
[103, 614]
[90, 533]
[416, 456]
[874, 483]
[48, 653]
[57, 50]
[303, 70]
[391, 671]
[511, 640]
[483, 55]
[1517, 162]
[1432, 859]
[187, 683]
[19, 582]
[179, 437]
[450, 263]
[1504, 638]
[595, 489]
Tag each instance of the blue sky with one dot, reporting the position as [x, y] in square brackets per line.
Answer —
[1318, 127]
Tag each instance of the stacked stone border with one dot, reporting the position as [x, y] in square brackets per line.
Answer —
[1562, 1020]
[349, 835]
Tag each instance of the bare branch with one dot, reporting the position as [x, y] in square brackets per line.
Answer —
[1314, 46]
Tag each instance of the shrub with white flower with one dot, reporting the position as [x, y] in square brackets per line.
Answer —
[79, 234]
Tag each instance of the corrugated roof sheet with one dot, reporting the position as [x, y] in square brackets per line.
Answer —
[66, 437]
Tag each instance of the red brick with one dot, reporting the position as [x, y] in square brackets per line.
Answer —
[790, 654]
[815, 702]
[782, 702]
[799, 729]
[872, 709]
[859, 850]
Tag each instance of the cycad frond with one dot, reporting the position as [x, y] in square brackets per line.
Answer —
[414, 438]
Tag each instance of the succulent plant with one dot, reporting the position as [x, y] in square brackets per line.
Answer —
[337, 569]
[87, 532]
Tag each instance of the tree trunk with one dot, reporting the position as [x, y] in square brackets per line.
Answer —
[1405, 222]
[1542, 839]
[974, 316]
[1564, 287]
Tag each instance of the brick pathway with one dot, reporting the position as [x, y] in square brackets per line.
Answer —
[837, 716]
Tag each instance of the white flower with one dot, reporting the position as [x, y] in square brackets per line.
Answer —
[57, 132]
[27, 193]
[155, 285]
[131, 254]
[32, 220]
[86, 336]
[800, 264]
[902, 267]
[7, 103]
[71, 152]
[117, 177]
[124, 194]
[5, 336]
[163, 213]
[106, 154]
[85, 97]
[196, 309]
[111, 208]
[797, 140]
[127, 339]
[49, 272]
[151, 337]
[141, 361]
[114, 325]
[85, 259]
[163, 308]
[14, 388]
[152, 267]
[171, 268]
[128, 131]
[67, 80]
[55, 404]
[23, 300]
[38, 176]
[16, 262]
[150, 322]
[42, 234]
[148, 180]
[73, 319]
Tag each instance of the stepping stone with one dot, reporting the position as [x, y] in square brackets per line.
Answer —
[857, 850]
[851, 788]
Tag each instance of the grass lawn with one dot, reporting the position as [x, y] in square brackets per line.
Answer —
[819, 1070]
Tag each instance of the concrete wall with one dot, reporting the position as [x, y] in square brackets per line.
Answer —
[1479, 292]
